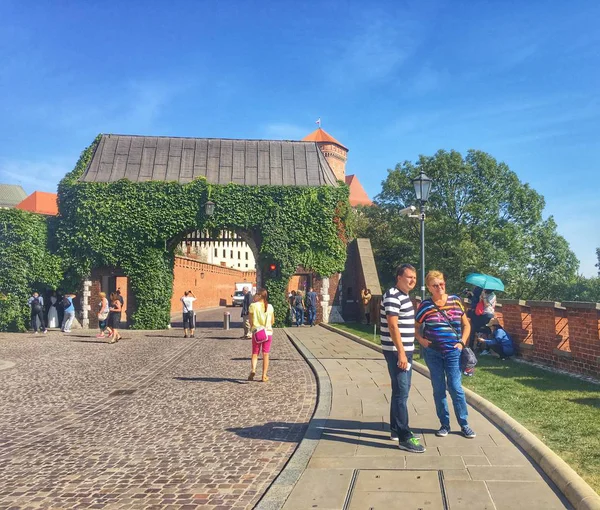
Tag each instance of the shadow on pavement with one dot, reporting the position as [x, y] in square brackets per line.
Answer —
[91, 341]
[271, 358]
[344, 431]
[211, 379]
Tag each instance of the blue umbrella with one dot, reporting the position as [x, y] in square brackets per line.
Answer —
[485, 281]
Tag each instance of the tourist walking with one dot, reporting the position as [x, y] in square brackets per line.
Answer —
[446, 332]
[69, 312]
[262, 318]
[246, 312]
[299, 308]
[366, 297]
[36, 305]
[311, 306]
[397, 317]
[60, 310]
[122, 301]
[103, 311]
[187, 300]
[114, 318]
[53, 312]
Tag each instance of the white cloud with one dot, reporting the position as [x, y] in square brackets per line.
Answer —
[35, 175]
[132, 107]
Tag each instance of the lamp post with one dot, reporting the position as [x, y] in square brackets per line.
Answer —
[422, 185]
[209, 208]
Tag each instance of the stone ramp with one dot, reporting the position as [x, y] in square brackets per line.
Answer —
[356, 466]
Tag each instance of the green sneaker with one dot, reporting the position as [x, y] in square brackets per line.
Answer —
[411, 445]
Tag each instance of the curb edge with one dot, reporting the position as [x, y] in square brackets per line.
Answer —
[574, 488]
[278, 492]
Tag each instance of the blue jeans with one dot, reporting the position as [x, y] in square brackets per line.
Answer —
[446, 367]
[400, 388]
[299, 316]
[312, 315]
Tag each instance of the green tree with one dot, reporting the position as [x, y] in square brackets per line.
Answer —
[598, 257]
[26, 264]
[480, 218]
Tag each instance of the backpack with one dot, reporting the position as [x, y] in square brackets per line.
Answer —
[36, 306]
[65, 302]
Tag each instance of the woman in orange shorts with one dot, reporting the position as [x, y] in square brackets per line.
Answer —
[262, 317]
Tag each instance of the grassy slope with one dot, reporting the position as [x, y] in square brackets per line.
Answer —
[562, 411]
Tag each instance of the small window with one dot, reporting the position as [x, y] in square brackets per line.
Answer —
[231, 254]
[239, 255]
[224, 254]
[216, 253]
[246, 258]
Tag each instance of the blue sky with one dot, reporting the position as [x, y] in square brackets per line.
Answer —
[390, 80]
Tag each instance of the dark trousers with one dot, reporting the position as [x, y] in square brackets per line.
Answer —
[40, 316]
[368, 317]
[498, 350]
[312, 315]
[400, 389]
[477, 324]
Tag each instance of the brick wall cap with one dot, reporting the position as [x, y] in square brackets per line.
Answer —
[545, 304]
[513, 302]
[581, 305]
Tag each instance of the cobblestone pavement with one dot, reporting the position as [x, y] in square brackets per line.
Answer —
[154, 421]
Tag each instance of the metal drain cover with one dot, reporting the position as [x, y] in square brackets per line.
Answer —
[376, 489]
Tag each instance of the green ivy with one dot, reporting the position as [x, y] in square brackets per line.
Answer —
[26, 264]
[137, 226]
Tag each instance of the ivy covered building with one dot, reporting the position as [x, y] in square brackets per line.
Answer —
[132, 200]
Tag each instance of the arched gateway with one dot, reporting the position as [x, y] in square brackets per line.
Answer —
[131, 199]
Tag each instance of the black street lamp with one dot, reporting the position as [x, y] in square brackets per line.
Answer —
[209, 208]
[422, 185]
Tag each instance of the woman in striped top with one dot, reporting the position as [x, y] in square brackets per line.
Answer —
[446, 331]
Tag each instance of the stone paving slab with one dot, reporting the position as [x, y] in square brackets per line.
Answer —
[194, 432]
[488, 471]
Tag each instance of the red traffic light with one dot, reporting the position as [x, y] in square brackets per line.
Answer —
[273, 267]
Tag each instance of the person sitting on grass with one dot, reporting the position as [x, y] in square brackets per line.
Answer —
[495, 339]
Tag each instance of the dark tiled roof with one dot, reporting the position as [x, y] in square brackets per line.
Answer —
[221, 161]
[11, 195]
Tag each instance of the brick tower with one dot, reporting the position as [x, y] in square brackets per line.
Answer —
[335, 153]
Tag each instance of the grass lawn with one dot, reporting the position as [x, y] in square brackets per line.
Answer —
[562, 411]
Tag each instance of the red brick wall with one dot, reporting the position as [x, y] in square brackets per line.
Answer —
[214, 289]
[560, 335]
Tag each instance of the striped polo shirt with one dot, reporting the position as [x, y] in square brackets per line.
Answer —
[397, 303]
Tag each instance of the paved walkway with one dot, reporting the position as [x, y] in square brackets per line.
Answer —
[154, 421]
[356, 466]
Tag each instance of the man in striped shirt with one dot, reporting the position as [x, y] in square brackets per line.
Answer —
[397, 316]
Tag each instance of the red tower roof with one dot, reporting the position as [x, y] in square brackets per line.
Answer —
[358, 195]
[319, 135]
[40, 202]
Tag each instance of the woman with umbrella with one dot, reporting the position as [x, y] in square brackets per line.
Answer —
[485, 309]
